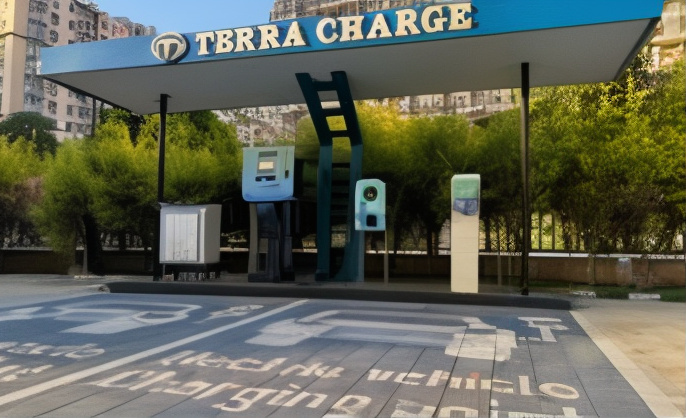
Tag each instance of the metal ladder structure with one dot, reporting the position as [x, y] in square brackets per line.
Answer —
[349, 265]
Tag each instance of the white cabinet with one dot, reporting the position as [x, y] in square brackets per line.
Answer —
[190, 234]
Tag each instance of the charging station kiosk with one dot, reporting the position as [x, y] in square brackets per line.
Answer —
[268, 185]
[370, 213]
[464, 233]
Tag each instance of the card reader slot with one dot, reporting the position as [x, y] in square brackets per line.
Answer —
[265, 178]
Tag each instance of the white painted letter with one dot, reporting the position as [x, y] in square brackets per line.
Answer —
[244, 40]
[350, 405]
[558, 390]
[269, 36]
[204, 38]
[241, 402]
[457, 16]
[294, 37]
[320, 31]
[351, 28]
[379, 28]
[430, 24]
[405, 409]
[224, 43]
[406, 23]
[402, 376]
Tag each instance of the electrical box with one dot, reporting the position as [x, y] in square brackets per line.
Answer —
[370, 205]
[190, 234]
[464, 233]
[268, 174]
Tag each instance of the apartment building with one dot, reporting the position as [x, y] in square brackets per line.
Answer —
[26, 26]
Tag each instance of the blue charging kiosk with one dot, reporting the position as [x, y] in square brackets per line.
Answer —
[268, 185]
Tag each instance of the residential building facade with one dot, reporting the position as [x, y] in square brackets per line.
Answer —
[26, 26]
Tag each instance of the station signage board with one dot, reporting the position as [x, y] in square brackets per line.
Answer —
[318, 33]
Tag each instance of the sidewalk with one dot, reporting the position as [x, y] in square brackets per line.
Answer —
[645, 340]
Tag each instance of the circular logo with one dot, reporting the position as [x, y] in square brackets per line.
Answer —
[370, 193]
[169, 47]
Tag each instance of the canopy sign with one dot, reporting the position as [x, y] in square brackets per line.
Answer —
[328, 32]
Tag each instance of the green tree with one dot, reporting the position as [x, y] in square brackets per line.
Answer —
[33, 127]
[124, 178]
[203, 158]
[494, 153]
[437, 150]
[20, 171]
[66, 198]
[607, 159]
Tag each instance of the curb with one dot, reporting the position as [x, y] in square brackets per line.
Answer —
[321, 291]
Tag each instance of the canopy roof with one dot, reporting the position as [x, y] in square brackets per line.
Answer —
[425, 49]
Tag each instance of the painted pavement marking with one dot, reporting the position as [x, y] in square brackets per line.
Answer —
[74, 377]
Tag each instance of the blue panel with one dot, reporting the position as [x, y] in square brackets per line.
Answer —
[489, 17]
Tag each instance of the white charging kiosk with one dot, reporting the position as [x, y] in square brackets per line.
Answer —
[464, 233]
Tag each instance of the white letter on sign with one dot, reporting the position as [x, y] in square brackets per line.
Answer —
[320, 31]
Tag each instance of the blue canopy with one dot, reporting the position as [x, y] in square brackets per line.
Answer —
[432, 48]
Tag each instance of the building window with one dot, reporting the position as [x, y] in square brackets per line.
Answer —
[72, 25]
[52, 107]
[71, 7]
[68, 127]
[497, 98]
[70, 111]
[51, 88]
[104, 25]
[54, 36]
[55, 19]
[56, 4]
[84, 112]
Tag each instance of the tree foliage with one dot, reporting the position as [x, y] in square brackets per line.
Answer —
[609, 158]
[34, 128]
[20, 181]
[113, 179]
[607, 161]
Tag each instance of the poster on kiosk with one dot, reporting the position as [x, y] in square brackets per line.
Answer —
[464, 233]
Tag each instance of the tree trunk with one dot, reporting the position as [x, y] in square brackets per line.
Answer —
[487, 232]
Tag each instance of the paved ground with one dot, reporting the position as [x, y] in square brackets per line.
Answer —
[644, 340]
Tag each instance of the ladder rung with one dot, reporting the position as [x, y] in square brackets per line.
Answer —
[340, 134]
[333, 111]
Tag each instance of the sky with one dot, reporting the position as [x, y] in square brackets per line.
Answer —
[187, 16]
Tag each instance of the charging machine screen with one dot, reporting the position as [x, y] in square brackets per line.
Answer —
[268, 174]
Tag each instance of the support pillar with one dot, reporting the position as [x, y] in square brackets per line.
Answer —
[526, 211]
[157, 267]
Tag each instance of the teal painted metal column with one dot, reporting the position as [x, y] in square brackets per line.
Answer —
[324, 172]
[352, 268]
[353, 265]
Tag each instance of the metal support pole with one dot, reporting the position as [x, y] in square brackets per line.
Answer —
[526, 212]
[157, 267]
[162, 140]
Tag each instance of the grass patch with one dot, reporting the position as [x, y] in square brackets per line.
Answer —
[671, 294]
[667, 294]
